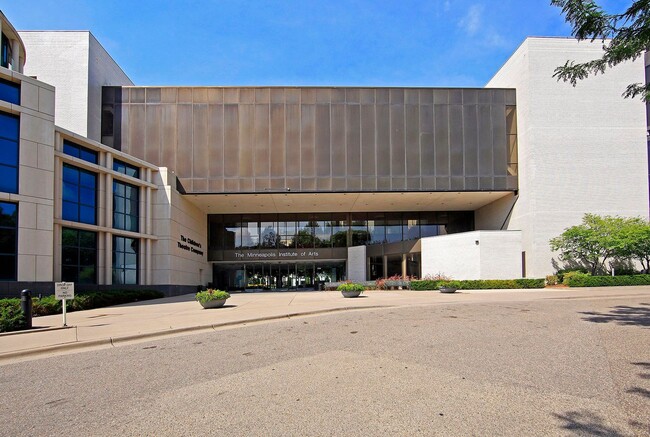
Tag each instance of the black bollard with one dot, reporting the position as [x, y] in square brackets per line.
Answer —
[26, 307]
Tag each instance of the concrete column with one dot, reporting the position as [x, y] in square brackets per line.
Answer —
[56, 265]
[142, 257]
[385, 266]
[15, 56]
[108, 264]
[148, 266]
[101, 258]
[403, 265]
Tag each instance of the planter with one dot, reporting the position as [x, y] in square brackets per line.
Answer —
[216, 303]
[448, 289]
[350, 293]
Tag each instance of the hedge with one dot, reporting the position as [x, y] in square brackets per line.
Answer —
[11, 318]
[480, 284]
[583, 280]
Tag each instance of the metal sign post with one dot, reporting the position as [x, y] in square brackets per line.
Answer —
[64, 291]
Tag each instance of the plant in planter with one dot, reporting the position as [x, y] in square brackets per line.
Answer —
[449, 286]
[212, 298]
[351, 289]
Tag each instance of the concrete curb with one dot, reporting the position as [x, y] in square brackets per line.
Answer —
[115, 341]
[35, 330]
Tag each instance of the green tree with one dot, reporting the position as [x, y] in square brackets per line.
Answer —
[593, 242]
[637, 242]
[628, 34]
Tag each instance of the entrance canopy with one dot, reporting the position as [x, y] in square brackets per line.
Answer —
[281, 202]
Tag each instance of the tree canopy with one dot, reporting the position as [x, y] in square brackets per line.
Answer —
[628, 34]
[601, 238]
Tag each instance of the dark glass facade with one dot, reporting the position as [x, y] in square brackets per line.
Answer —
[8, 240]
[126, 206]
[125, 260]
[79, 256]
[9, 137]
[306, 231]
[79, 195]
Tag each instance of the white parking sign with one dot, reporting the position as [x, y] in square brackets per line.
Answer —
[64, 290]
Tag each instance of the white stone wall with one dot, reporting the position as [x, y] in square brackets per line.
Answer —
[473, 255]
[581, 149]
[175, 216]
[78, 66]
[357, 263]
[102, 71]
[35, 196]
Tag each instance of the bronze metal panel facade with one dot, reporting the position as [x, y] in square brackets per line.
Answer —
[315, 139]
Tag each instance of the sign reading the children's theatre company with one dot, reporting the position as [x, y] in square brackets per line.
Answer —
[190, 245]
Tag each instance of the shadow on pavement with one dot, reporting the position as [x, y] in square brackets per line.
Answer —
[163, 300]
[585, 422]
[622, 315]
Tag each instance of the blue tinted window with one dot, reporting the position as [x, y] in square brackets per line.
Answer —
[9, 92]
[79, 256]
[125, 260]
[80, 152]
[8, 240]
[9, 129]
[79, 195]
[127, 169]
[126, 204]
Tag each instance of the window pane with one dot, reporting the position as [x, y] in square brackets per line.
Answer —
[69, 273]
[8, 152]
[8, 214]
[88, 155]
[9, 126]
[70, 256]
[87, 275]
[118, 189]
[87, 257]
[87, 179]
[8, 179]
[9, 92]
[87, 215]
[70, 174]
[87, 196]
[7, 268]
[8, 241]
[87, 239]
[69, 237]
[70, 211]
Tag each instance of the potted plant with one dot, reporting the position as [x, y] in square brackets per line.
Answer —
[448, 286]
[350, 289]
[212, 298]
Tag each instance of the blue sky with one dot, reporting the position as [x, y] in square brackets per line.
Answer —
[310, 42]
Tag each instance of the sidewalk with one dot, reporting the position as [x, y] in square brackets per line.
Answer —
[110, 326]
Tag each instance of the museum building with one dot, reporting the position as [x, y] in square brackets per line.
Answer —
[108, 184]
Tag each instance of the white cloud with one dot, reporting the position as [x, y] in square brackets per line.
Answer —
[471, 22]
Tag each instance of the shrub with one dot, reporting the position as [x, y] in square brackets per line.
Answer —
[351, 286]
[551, 280]
[606, 281]
[211, 294]
[572, 274]
[480, 284]
[560, 273]
[11, 318]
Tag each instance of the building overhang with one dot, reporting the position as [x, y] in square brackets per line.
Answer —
[286, 202]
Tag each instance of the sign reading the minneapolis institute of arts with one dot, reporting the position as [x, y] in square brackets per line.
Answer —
[277, 254]
[190, 245]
